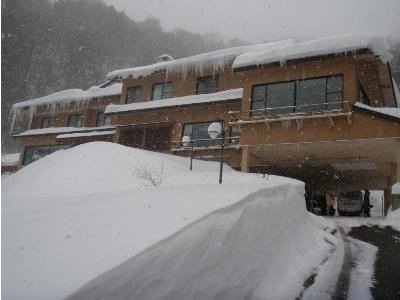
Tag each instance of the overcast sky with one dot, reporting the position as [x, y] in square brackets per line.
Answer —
[266, 20]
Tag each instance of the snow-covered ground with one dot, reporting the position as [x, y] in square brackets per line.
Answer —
[76, 213]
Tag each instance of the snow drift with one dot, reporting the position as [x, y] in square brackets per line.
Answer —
[77, 213]
[245, 251]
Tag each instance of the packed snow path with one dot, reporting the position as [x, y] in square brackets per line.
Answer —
[387, 266]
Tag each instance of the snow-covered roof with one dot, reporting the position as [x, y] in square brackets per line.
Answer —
[73, 95]
[179, 101]
[55, 130]
[258, 54]
[10, 159]
[214, 60]
[322, 46]
[388, 111]
[85, 134]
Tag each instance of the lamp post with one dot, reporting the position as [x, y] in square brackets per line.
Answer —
[186, 142]
[214, 130]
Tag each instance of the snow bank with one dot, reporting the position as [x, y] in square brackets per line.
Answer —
[10, 159]
[389, 111]
[245, 251]
[76, 213]
[179, 101]
[393, 219]
[323, 46]
[214, 61]
[55, 130]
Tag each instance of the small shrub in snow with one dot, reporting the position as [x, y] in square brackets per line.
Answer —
[149, 174]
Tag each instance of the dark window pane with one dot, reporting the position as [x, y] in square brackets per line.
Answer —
[75, 121]
[280, 95]
[311, 95]
[199, 131]
[34, 153]
[38, 153]
[258, 100]
[187, 130]
[334, 84]
[157, 92]
[28, 156]
[335, 100]
[133, 94]
[206, 85]
[100, 119]
[45, 123]
[167, 90]
[107, 120]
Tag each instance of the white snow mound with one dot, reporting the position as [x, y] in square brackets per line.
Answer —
[393, 219]
[245, 251]
[77, 213]
[103, 167]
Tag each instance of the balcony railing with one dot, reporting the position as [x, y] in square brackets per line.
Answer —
[298, 113]
[202, 144]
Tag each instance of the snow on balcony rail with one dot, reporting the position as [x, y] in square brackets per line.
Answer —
[85, 134]
[179, 101]
[388, 111]
[62, 98]
[215, 60]
[318, 47]
[59, 130]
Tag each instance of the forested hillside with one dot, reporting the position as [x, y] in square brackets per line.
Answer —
[74, 43]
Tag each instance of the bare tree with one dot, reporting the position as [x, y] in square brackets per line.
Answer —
[150, 175]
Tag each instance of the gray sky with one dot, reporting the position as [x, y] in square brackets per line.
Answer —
[266, 20]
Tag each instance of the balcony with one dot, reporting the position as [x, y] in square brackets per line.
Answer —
[299, 113]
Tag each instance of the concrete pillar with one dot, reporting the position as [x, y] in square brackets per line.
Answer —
[244, 166]
[387, 195]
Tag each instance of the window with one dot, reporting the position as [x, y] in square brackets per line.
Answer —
[75, 121]
[274, 97]
[206, 85]
[45, 123]
[133, 94]
[162, 91]
[103, 119]
[199, 131]
[307, 95]
[311, 94]
[22, 121]
[34, 153]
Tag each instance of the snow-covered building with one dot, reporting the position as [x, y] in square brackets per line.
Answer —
[324, 111]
